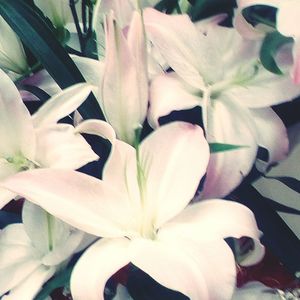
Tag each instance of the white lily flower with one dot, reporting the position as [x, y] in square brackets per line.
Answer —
[37, 141]
[287, 19]
[124, 90]
[30, 253]
[219, 71]
[121, 79]
[12, 54]
[141, 211]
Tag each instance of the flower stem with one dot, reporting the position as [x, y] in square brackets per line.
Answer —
[50, 231]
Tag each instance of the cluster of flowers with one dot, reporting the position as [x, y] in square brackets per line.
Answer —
[141, 211]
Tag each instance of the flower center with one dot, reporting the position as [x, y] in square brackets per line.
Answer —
[21, 163]
[244, 75]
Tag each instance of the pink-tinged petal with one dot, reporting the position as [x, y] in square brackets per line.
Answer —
[182, 46]
[170, 266]
[168, 93]
[136, 38]
[270, 129]
[30, 286]
[255, 290]
[97, 264]
[61, 105]
[78, 199]
[210, 22]
[122, 10]
[97, 127]
[229, 123]
[44, 81]
[16, 129]
[210, 220]
[190, 268]
[173, 160]
[296, 66]
[246, 29]
[287, 18]
[58, 146]
[121, 86]
[265, 89]
[121, 172]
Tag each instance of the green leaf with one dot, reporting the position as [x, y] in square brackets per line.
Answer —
[37, 36]
[271, 44]
[219, 147]
[60, 280]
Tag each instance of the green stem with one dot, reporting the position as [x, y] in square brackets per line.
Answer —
[50, 231]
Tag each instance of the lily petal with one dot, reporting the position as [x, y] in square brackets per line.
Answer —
[121, 85]
[16, 260]
[13, 57]
[82, 201]
[104, 258]
[91, 69]
[58, 146]
[31, 285]
[136, 38]
[296, 67]
[189, 270]
[227, 169]
[60, 245]
[179, 42]
[61, 104]
[179, 153]
[16, 130]
[270, 130]
[265, 89]
[287, 18]
[121, 172]
[97, 127]
[221, 217]
[169, 93]
[5, 197]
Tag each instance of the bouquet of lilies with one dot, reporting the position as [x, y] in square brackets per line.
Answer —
[148, 149]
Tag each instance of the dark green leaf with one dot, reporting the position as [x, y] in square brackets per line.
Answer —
[36, 35]
[272, 42]
[219, 147]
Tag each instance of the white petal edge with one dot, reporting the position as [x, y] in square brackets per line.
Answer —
[61, 104]
[97, 264]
